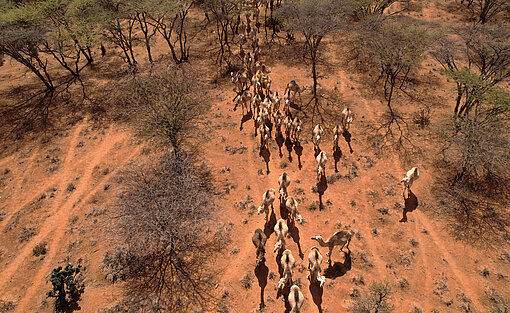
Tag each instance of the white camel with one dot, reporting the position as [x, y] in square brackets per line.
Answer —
[295, 299]
[317, 134]
[409, 179]
[267, 201]
[347, 118]
[281, 230]
[287, 261]
[314, 265]
[283, 182]
[321, 164]
[292, 208]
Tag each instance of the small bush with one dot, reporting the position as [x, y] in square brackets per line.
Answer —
[40, 249]
[26, 233]
[6, 306]
[70, 187]
[376, 300]
[246, 281]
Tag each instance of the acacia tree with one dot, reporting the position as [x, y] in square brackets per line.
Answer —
[164, 106]
[165, 233]
[367, 8]
[487, 50]
[395, 47]
[314, 20]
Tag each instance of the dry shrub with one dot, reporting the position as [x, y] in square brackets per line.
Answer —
[165, 234]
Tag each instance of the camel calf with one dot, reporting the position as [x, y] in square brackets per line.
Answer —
[347, 118]
[259, 240]
[314, 265]
[281, 230]
[295, 299]
[267, 201]
[409, 179]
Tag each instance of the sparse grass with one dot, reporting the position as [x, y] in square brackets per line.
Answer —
[6, 306]
[246, 281]
[403, 283]
[416, 309]
[414, 242]
[40, 249]
[26, 233]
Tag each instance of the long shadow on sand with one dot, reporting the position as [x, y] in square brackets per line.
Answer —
[339, 269]
[410, 204]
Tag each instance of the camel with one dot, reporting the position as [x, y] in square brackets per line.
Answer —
[276, 101]
[267, 200]
[288, 262]
[241, 79]
[409, 179]
[245, 100]
[316, 138]
[264, 135]
[314, 265]
[292, 207]
[347, 118]
[294, 87]
[288, 126]
[295, 299]
[340, 238]
[321, 164]
[284, 182]
[281, 230]
[296, 129]
[278, 121]
[337, 131]
[259, 240]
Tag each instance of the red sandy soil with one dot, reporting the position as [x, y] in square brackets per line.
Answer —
[34, 193]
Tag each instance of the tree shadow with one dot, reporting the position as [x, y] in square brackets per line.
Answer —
[261, 272]
[337, 155]
[347, 137]
[266, 155]
[339, 269]
[322, 186]
[299, 152]
[245, 119]
[294, 234]
[280, 141]
[269, 225]
[289, 145]
[316, 291]
[410, 204]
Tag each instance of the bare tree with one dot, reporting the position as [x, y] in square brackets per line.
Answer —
[165, 105]
[165, 234]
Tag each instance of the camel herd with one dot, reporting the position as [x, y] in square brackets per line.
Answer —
[268, 110]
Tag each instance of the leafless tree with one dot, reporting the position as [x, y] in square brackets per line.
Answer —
[485, 10]
[165, 234]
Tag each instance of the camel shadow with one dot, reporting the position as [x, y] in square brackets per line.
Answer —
[283, 209]
[269, 125]
[279, 262]
[269, 225]
[410, 204]
[316, 151]
[280, 141]
[316, 291]
[299, 152]
[284, 292]
[266, 155]
[337, 155]
[289, 145]
[261, 272]
[245, 119]
[339, 269]
[347, 137]
[294, 234]
[322, 186]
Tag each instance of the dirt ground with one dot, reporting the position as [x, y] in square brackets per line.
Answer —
[54, 190]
